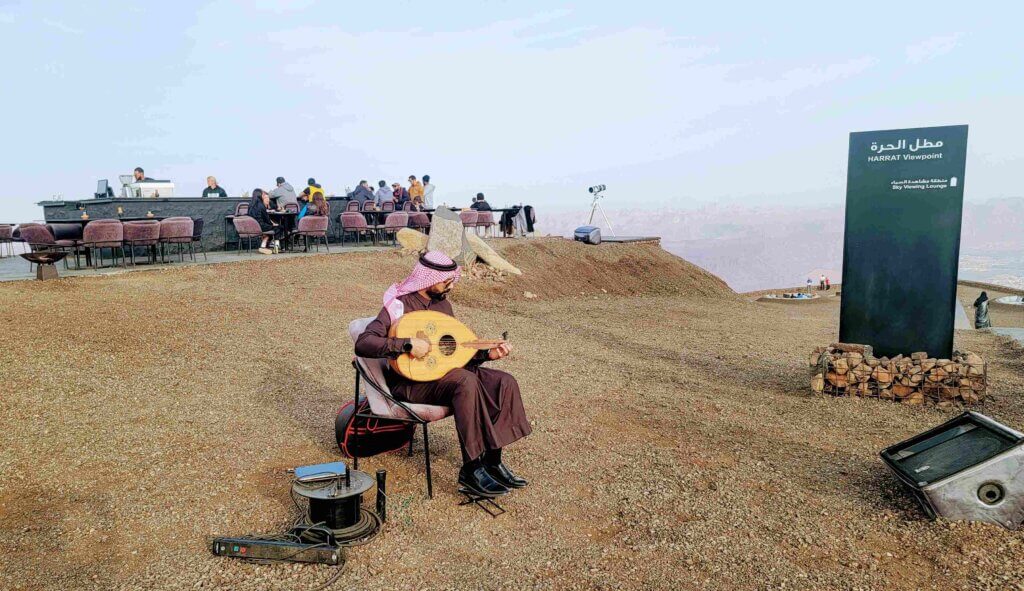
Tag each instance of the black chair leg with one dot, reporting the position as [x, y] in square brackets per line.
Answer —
[426, 454]
[355, 459]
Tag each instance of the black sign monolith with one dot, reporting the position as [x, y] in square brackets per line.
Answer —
[904, 203]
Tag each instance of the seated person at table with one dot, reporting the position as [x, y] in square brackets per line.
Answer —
[479, 204]
[319, 205]
[284, 194]
[212, 189]
[383, 194]
[487, 404]
[362, 193]
[258, 210]
[399, 195]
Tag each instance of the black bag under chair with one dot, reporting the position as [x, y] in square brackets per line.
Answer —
[360, 435]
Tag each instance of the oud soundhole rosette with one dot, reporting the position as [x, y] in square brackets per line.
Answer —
[447, 345]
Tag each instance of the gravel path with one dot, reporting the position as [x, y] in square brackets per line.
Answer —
[675, 443]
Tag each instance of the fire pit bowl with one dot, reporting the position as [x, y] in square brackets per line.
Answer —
[44, 261]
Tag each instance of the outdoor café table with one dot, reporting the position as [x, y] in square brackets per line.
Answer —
[287, 221]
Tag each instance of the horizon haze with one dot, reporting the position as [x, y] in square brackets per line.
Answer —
[668, 106]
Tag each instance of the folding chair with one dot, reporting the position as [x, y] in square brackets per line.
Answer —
[370, 375]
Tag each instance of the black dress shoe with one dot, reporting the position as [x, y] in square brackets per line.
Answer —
[477, 480]
[505, 476]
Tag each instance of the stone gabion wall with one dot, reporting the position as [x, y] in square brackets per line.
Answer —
[852, 370]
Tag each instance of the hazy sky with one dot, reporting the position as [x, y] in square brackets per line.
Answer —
[666, 104]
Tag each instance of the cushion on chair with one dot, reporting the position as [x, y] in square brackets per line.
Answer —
[375, 395]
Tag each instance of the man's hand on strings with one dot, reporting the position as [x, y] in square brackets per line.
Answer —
[499, 352]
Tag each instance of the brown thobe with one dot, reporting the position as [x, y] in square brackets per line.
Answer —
[487, 404]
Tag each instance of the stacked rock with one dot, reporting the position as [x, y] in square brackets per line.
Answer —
[852, 370]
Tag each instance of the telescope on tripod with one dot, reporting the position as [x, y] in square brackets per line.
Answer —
[595, 205]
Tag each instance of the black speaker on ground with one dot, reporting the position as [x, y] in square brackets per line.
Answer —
[970, 468]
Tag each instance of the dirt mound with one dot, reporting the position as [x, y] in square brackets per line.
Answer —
[557, 267]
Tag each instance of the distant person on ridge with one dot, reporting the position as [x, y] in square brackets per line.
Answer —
[828, 284]
[981, 319]
[809, 283]
[821, 283]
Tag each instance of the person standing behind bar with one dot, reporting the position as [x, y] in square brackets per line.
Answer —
[212, 189]
[428, 192]
[140, 175]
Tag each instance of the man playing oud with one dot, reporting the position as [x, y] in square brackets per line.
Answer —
[487, 403]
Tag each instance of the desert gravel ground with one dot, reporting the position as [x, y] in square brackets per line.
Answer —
[675, 444]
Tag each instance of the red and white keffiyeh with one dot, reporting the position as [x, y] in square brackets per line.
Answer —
[433, 267]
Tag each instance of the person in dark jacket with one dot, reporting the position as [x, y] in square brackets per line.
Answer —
[362, 193]
[480, 204]
[258, 210]
[400, 195]
[981, 319]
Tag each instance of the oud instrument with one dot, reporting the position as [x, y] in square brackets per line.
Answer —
[452, 345]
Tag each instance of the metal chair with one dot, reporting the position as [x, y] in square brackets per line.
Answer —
[142, 233]
[197, 236]
[352, 205]
[6, 240]
[248, 228]
[69, 234]
[102, 234]
[387, 206]
[419, 221]
[371, 384]
[469, 218]
[392, 224]
[407, 206]
[315, 227]
[177, 230]
[352, 221]
[39, 238]
[291, 207]
[485, 220]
